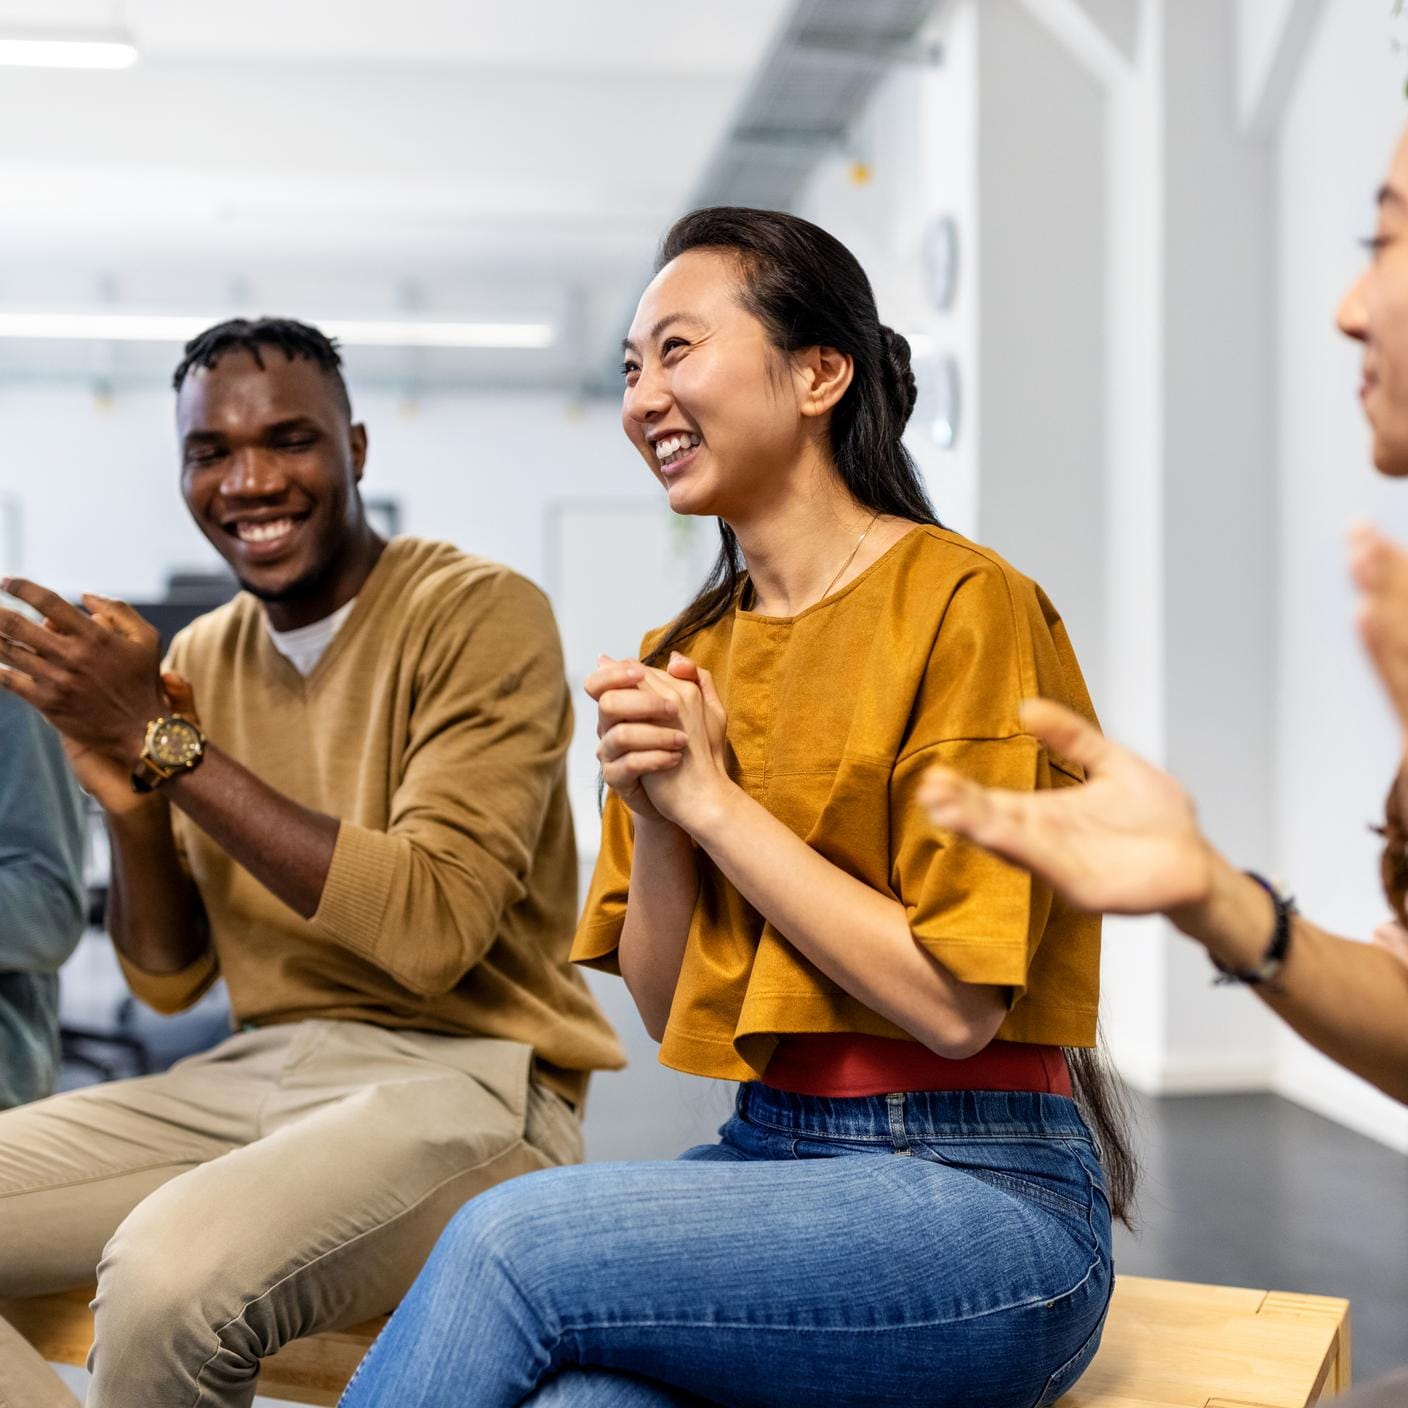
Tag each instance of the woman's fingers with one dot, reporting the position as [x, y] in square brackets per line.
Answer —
[710, 693]
[618, 706]
[639, 738]
[613, 674]
[627, 771]
[668, 686]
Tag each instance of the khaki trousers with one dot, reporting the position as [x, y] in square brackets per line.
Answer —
[292, 1180]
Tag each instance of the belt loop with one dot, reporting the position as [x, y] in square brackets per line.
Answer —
[898, 1137]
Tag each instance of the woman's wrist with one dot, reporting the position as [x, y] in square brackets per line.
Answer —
[713, 812]
[1234, 919]
[652, 829]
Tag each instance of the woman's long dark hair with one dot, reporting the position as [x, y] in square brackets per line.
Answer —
[808, 290]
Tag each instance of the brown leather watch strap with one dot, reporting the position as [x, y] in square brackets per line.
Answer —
[147, 776]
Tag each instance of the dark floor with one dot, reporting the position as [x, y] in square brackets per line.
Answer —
[1252, 1190]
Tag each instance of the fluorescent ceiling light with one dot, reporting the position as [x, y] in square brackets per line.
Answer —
[110, 49]
[358, 332]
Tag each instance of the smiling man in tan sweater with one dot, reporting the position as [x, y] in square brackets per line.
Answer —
[346, 796]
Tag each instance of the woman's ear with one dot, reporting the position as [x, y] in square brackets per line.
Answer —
[823, 377]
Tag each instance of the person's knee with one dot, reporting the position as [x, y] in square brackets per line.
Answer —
[158, 1283]
[515, 1229]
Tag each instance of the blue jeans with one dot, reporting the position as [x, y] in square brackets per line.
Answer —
[797, 1261]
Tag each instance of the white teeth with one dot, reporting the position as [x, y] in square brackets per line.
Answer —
[672, 445]
[264, 532]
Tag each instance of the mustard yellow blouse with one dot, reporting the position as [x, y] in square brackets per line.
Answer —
[833, 715]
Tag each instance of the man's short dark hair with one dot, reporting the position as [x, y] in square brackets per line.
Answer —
[294, 339]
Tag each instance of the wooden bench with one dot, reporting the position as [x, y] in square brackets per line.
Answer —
[1167, 1344]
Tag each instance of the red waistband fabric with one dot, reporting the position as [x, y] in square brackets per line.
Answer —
[842, 1064]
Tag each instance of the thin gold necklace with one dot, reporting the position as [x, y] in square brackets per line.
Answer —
[850, 558]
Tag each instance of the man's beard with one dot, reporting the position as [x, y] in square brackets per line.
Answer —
[306, 585]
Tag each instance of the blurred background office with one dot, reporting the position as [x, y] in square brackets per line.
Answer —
[1115, 232]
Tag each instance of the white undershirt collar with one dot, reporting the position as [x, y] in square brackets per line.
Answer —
[305, 646]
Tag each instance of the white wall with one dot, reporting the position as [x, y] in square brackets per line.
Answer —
[1335, 746]
[1042, 318]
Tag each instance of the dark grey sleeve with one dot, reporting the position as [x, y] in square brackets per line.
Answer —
[41, 845]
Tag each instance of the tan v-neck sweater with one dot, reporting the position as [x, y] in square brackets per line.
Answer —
[435, 728]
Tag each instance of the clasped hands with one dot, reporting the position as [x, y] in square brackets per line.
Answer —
[661, 734]
[96, 676]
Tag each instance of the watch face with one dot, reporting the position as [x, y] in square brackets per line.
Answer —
[176, 743]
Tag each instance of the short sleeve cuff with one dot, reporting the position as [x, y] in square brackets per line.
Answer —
[598, 944]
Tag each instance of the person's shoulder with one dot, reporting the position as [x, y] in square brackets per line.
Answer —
[439, 581]
[948, 557]
[427, 570]
[214, 632]
[970, 588]
[955, 572]
[988, 599]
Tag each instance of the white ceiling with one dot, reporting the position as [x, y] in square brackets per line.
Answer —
[620, 36]
[468, 157]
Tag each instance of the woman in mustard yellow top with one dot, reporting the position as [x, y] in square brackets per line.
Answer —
[784, 916]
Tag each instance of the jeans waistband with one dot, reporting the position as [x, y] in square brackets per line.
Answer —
[913, 1115]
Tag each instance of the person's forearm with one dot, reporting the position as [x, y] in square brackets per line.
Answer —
[855, 935]
[1347, 999]
[664, 888]
[154, 914]
[288, 848]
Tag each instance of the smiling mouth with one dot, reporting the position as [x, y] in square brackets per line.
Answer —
[674, 447]
[267, 533]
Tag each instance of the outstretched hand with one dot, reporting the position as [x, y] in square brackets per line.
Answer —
[1380, 572]
[1126, 842]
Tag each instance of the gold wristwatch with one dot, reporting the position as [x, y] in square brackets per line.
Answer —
[174, 745]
